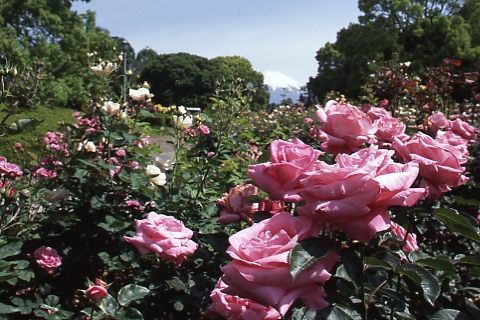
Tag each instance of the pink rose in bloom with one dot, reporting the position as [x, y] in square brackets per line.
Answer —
[272, 206]
[8, 169]
[400, 232]
[289, 161]
[353, 194]
[464, 130]
[47, 258]
[260, 268]
[457, 142]
[345, 128]
[440, 166]
[388, 127]
[236, 308]
[210, 154]
[133, 204]
[203, 129]
[96, 293]
[236, 204]
[121, 153]
[43, 173]
[308, 120]
[164, 235]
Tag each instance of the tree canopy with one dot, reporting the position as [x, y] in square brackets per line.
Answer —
[421, 31]
[50, 32]
[187, 79]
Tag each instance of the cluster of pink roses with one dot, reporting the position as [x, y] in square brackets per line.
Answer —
[353, 194]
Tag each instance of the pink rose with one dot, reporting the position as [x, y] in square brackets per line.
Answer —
[9, 170]
[164, 235]
[289, 161]
[236, 204]
[121, 153]
[96, 293]
[464, 130]
[457, 142]
[203, 129]
[353, 194]
[47, 258]
[133, 204]
[260, 269]
[388, 127]
[234, 307]
[345, 128]
[440, 166]
[400, 232]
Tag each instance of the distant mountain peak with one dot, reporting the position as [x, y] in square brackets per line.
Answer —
[277, 80]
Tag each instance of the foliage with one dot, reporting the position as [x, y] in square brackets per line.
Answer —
[190, 80]
[48, 31]
[423, 32]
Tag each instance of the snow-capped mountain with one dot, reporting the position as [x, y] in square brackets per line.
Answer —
[279, 85]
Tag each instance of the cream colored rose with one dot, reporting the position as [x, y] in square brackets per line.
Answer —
[160, 178]
[112, 108]
[87, 146]
[141, 94]
[184, 122]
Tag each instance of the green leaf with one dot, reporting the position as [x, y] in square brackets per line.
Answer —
[440, 263]
[421, 276]
[353, 266]
[305, 253]
[178, 306]
[473, 310]
[303, 314]
[334, 312]
[131, 293]
[392, 260]
[5, 308]
[129, 314]
[109, 305]
[470, 260]
[450, 314]
[457, 223]
[10, 249]
[178, 284]
[7, 276]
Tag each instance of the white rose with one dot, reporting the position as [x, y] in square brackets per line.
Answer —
[112, 108]
[90, 147]
[182, 110]
[159, 179]
[141, 94]
[183, 122]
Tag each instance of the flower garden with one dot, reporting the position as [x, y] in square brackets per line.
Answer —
[361, 209]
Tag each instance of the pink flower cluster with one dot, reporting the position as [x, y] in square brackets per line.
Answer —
[9, 170]
[164, 235]
[259, 278]
[353, 195]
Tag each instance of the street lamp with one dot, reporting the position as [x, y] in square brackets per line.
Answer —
[125, 46]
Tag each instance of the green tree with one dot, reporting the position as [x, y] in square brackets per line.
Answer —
[50, 32]
[421, 31]
[181, 79]
[236, 67]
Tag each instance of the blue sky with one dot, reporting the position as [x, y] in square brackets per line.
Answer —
[281, 36]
